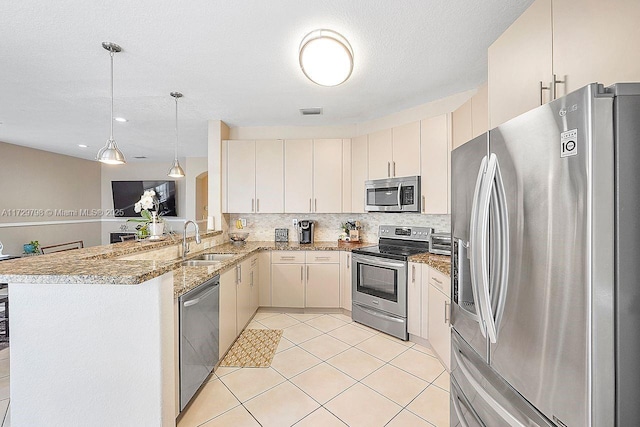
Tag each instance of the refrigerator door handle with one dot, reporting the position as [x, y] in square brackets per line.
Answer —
[481, 249]
[503, 225]
[474, 244]
[484, 395]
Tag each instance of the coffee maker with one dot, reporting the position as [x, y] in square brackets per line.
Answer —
[305, 230]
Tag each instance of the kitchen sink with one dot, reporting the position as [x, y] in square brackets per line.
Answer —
[199, 263]
[214, 257]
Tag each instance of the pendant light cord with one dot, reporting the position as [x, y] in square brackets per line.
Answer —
[176, 156]
[111, 54]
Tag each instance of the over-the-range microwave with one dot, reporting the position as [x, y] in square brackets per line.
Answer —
[392, 194]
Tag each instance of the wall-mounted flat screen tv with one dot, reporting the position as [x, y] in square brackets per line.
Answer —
[127, 193]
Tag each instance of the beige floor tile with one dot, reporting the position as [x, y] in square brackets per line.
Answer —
[300, 333]
[7, 418]
[4, 353]
[326, 323]
[4, 388]
[419, 364]
[407, 419]
[366, 328]
[4, 407]
[303, 317]
[432, 405]
[351, 334]
[361, 406]
[395, 384]
[264, 314]
[283, 405]
[407, 344]
[247, 383]
[320, 418]
[381, 347]
[324, 346]
[293, 361]
[214, 399]
[443, 381]
[221, 371]
[342, 317]
[423, 349]
[237, 417]
[279, 321]
[323, 382]
[284, 344]
[4, 367]
[255, 325]
[355, 363]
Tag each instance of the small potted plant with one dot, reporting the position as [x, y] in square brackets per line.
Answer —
[32, 247]
[150, 223]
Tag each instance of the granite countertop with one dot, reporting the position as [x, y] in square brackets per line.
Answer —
[442, 263]
[99, 264]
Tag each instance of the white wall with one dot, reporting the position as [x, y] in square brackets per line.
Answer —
[193, 167]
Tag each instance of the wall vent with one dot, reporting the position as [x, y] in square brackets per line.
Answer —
[311, 111]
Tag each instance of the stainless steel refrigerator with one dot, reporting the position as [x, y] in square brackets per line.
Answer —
[546, 266]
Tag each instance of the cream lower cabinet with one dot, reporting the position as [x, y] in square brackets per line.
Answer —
[264, 279]
[228, 310]
[287, 278]
[440, 315]
[414, 299]
[322, 287]
[247, 292]
[345, 280]
[254, 284]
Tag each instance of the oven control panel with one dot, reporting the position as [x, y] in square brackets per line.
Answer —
[405, 233]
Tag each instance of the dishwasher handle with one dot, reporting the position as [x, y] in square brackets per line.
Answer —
[197, 300]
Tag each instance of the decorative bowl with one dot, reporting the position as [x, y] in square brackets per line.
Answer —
[238, 236]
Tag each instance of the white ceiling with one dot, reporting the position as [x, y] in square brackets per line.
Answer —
[233, 60]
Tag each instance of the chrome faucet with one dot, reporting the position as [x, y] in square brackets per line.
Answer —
[185, 245]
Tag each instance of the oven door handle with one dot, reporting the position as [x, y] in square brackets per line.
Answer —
[376, 261]
[378, 314]
[400, 196]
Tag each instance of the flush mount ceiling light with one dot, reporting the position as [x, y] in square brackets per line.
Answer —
[120, 119]
[176, 171]
[110, 154]
[326, 57]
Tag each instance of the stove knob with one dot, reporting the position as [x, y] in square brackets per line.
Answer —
[414, 233]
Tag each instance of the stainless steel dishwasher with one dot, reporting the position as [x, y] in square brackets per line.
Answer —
[199, 333]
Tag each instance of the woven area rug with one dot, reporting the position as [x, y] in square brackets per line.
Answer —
[254, 348]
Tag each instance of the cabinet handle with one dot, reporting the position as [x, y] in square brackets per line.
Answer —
[309, 204]
[394, 169]
[287, 257]
[555, 85]
[321, 257]
[541, 89]
[315, 201]
[301, 274]
[252, 279]
[348, 262]
[240, 270]
[307, 272]
[447, 306]
[252, 205]
[388, 169]
[413, 274]
[257, 205]
[423, 203]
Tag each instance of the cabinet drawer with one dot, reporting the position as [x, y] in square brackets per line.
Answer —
[440, 281]
[323, 257]
[287, 257]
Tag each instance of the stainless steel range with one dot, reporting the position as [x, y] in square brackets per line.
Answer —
[379, 278]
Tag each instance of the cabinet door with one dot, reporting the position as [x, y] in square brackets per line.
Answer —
[380, 155]
[327, 175]
[346, 175]
[406, 150]
[323, 286]
[227, 310]
[595, 41]
[254, 284]
[518, 61]
[241, 176]
[264, 277]
[298, 175]
[287, 285]
[269, 176]
[359, 174]
[414, 299]
[435, 165]
[345, 280]
[424, 289]
[243, 295]
[439, 332]
[480, 111]
[462, 125]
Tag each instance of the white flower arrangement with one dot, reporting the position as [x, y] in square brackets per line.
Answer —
[147, 201]
[148, 208]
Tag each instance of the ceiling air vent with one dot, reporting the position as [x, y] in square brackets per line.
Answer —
[139, 157]
[311, 111]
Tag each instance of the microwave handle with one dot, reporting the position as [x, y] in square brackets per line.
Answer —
[400, 196]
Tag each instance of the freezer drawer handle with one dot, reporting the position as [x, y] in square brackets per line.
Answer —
[456, 407]
[500, 410]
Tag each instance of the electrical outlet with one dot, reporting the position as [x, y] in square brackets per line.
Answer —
[295, 222]
[243, 221]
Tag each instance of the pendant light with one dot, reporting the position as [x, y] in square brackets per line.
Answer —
[110, 154]
[176, 171]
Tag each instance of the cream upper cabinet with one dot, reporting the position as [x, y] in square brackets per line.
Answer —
[346, 175]
[269, 182]
[359, 174]
[406, 150]
[435, 164]
[327, 175]
[520, 62]
[461, 125]
[298, 175]
[380, 154]
[480, 111]
[414, 299]
[595, 41]
[241, 176]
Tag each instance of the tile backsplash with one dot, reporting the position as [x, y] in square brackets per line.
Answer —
[328, 226]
